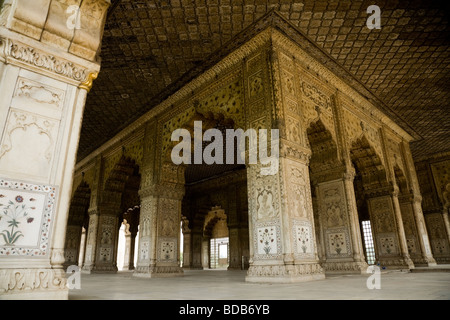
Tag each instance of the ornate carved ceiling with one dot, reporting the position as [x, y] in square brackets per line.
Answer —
[150, 45]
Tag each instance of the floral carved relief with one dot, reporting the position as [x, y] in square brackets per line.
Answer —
[265, 206]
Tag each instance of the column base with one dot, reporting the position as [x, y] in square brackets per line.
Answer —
[33, 284]
[347, 267]
[423, 262]
[62, 294]
[396, 263]
[104, 269]
[284, 273]
[442, 260]
[158, 272]
[128, 268]
[87, 269]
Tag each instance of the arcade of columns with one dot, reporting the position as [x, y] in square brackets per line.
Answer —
[340, 159]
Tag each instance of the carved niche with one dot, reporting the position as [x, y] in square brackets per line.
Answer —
[334, 220]
[297, 192]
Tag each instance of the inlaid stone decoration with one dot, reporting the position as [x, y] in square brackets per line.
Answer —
[105, 254]
[26, 214]
[143, 250]
[387, 245]
[268, 241]
[168, 251]
[304, 245]
[337, 242]
[411, 243]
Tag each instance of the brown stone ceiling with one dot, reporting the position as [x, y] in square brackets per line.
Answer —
[149, 45]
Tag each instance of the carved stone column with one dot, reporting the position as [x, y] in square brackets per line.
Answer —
[415, 230]
[196, 249]
[77, 213]
[91, 241]
[235, 256]
[127, 251]
[233, 230]
[160, 218]
[238, 248]
[414, 204]
[72, 246]
[107, 233]
[46, 75]
[282, 234]
[187, 250]
[281, 223]
[132, 245]
[206, 249]
[238, 227]
[446, 222]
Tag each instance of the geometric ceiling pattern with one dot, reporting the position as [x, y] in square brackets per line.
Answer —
[149, 47]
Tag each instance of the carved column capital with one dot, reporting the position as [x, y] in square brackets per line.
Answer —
[87, 84]
[349, 173]
[42, 59]
[57, 258]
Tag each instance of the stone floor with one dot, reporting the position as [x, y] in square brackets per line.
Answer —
[230, 285]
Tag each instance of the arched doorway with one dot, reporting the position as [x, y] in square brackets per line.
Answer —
[209, 187]
[337, 230]
[376, 196]
[216, 230]
[119, 193]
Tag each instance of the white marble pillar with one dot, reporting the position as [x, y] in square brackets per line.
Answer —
[43, 88]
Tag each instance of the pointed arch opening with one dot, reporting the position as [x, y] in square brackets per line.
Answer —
[370, 177]
[77, 221]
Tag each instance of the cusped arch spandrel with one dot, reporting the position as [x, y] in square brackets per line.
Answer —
[368, 163]
[133, 151]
